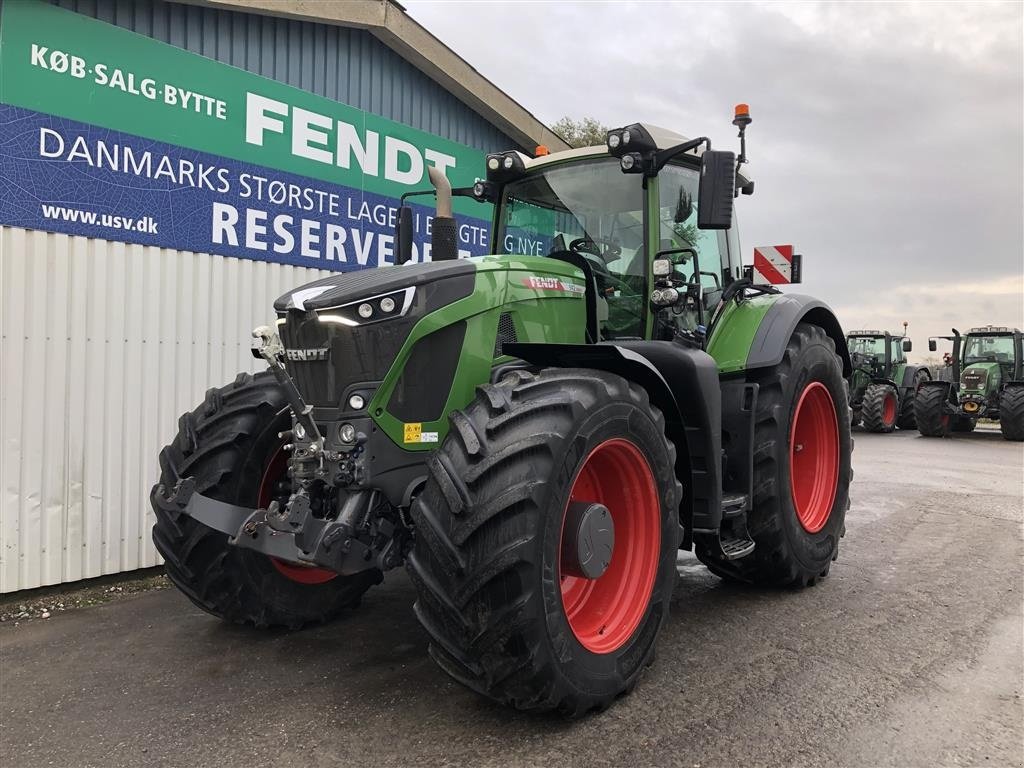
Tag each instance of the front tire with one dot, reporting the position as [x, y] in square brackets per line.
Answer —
[802, 472]
[930, 411]
[508, 610]
[1011, 413]
[880, 409]
[230, 445]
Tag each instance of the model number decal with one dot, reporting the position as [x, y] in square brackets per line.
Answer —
[552, 284]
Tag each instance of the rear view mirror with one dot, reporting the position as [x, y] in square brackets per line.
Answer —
[907, 345]
[932, 346]
[717, 190]
[403, 235]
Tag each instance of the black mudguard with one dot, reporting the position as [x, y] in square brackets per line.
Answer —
[776, 329]
[947, 385]
[683, 384]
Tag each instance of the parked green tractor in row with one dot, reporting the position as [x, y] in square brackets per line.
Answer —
[984, 382]
[534, 436]
[883, 384]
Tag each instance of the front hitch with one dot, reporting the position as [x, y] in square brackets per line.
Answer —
[291, 533]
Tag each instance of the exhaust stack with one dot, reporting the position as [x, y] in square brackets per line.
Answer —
[444, 245]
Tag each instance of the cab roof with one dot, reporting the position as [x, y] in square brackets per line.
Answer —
[875, 334]
[992, 330]
[663, 139]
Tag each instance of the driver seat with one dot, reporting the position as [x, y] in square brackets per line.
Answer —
[571, 257]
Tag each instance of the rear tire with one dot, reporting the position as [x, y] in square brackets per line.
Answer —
[930, 411]
[504, 618]
[880, 408]
[226, 444]
[1011, 413]
[907, 420]
[797, 519]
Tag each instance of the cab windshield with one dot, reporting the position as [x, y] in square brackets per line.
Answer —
[592, 211]
[873, 346]
[988, 349]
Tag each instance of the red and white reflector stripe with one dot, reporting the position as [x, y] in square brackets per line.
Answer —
[773, 264]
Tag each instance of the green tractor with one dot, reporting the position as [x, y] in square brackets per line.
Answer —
[534, 433]
[883, 384]
[984, 381]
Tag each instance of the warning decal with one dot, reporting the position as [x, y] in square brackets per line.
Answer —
[773, 264]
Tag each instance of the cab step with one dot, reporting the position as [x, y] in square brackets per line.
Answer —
[734, 549]
[734, 505]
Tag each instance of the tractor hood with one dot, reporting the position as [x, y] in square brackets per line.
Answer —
[401, 334]
[344, 287]
[980, 377]
[345, 330]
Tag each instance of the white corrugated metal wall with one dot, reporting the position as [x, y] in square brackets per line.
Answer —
[103, 346]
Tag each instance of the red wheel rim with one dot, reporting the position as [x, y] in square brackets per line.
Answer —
[814, 456]
[604, 612]
[277, 469]
[889, 409]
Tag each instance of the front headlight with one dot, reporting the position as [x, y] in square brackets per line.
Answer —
[361, 312]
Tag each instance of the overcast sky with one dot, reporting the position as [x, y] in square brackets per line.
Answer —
[886, 144]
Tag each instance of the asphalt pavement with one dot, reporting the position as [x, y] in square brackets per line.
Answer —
[908, 654]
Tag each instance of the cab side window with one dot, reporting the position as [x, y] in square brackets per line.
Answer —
[677, 227]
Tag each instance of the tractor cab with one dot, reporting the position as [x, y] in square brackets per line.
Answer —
[877, 352]
[647, 219]
[990, 352]
[984, 358]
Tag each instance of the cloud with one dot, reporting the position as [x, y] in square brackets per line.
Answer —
[887, 143]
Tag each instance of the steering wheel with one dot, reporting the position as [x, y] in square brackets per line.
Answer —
[585, 245]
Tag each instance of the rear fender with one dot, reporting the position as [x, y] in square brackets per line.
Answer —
[886, 382]
[683, 384]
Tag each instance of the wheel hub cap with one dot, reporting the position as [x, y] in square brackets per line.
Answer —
[588, 540]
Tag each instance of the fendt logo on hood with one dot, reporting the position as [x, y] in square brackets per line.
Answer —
[974, 378]
[307, 355]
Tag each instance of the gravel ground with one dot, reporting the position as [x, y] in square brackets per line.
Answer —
[44, 603]
[909, 654]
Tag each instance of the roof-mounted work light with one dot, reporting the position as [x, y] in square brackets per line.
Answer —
[505, 166]
[629, 140]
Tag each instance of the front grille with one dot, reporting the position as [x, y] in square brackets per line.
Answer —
[423, 388]
[974, 379]
[361, 354]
